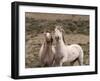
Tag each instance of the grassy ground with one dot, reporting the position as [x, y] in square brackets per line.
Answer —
[33, 45]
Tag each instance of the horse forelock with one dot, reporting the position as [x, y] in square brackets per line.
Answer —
[60, 28]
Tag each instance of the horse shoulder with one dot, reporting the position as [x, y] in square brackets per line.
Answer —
[53, 49]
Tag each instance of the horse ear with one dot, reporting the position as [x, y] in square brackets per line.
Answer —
[44, 33]
[55, 28]
[62, 30]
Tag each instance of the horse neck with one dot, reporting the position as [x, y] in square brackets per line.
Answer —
[47, 48]
[60, 43]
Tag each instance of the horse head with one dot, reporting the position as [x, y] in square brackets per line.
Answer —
[59, 33]
[48, 37]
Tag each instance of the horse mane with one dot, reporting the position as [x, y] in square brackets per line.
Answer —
[63, 39]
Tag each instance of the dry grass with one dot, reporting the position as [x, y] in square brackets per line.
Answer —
[33, 45]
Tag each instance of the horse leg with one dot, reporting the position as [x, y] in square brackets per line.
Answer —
[72, 63]
[80, 60]
[62, 61]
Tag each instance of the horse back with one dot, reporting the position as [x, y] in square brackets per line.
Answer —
[74, 51]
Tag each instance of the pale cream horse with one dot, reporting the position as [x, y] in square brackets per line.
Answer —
[46, 53]
[66, 53]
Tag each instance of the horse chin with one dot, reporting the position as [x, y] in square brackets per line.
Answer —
[48, 42]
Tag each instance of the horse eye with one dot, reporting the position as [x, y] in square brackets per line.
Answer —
[57, 37]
